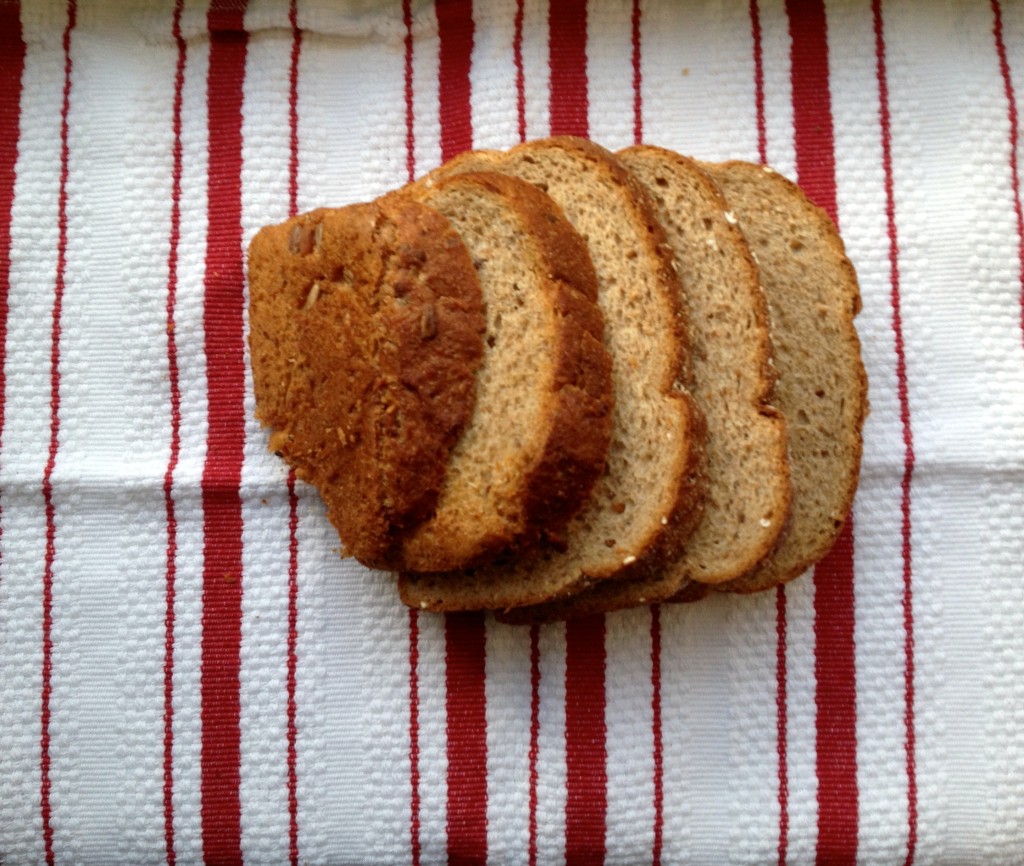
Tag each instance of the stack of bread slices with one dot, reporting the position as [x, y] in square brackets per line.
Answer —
[555, 381]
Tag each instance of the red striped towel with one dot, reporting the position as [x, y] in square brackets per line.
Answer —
[188, 671]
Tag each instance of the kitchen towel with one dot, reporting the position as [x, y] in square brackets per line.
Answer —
[189, 672]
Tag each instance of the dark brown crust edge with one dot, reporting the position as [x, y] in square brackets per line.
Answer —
[581, 426]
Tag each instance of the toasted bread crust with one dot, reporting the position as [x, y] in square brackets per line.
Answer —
[500, 385]
[366, 333]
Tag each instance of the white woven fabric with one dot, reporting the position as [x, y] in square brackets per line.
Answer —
[875, 721]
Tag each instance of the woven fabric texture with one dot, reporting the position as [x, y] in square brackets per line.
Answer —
[190, 673]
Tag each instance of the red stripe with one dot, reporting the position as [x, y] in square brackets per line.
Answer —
[466, 704]
[835, 667]
[172, 461]
[517, 53]
[638, 119]
[51, 528]
[414, 623]
[465, 634]
[455, 32]
[414, 733]
[567, 59]
[222, 504]
[1011, 111]
[656, 728]
[293, 110]
[812, 102]
[586, 755]
[534, 737]
[293, 637]
[585, 749]
[908, 441]
[781, 691]
[836, 698]
[659, 790]
[657, 746]
[762, 129]
[293, 499]
[410, 125]
[781, 725]
[12, 64]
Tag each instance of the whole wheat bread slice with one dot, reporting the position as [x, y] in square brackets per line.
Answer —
[366, 332]
[650, 497]
[748, 495]
[813, 296]
[538, 436]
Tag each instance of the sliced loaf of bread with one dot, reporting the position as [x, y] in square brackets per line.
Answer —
[538, 436]
[813, 296]
[650, 497]
[366, 333]
[748, 493]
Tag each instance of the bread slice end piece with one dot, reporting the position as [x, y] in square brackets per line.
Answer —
[814, 298]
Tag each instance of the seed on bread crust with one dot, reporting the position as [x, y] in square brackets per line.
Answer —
[428, 322]
[314, 293]
[305, 238]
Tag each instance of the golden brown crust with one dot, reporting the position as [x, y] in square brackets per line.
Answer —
[646, 585]
[590, 603]
[365, 331]
[493, 587]
[367, 339]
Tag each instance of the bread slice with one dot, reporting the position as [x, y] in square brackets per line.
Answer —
[748, 494]
[366, 332]
[650, 497]
[822, 387]
[538, 437]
